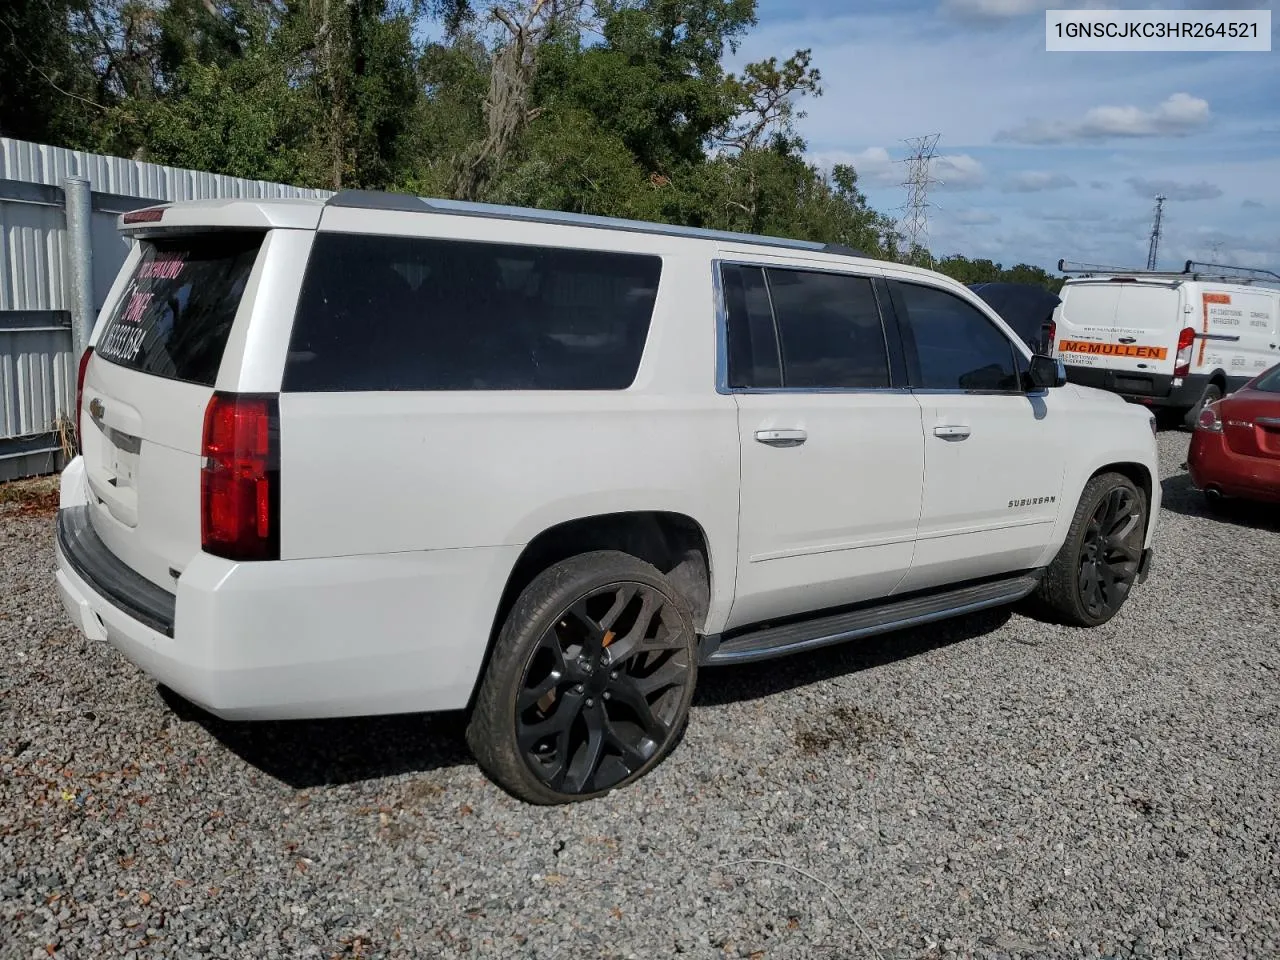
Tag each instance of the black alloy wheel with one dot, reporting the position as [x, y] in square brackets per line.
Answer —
[590, 683]
[602, 691]
[1109, 557]
[1094, 572]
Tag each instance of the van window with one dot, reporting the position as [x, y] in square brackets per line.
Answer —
[175, 316]
[411, 313]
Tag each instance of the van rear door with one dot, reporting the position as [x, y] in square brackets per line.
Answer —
[1125, 331]
[1145, 338]
[148, 382]
[1084, 325]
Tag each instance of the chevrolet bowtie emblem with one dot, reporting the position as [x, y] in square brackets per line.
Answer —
[96, 409]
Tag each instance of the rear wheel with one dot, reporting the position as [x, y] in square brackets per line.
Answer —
[590, 681]
[1212, 394]
[1090, 578]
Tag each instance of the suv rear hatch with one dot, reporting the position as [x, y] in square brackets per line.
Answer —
[146, 389]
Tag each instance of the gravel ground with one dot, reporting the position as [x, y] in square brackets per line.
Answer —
[993, 787]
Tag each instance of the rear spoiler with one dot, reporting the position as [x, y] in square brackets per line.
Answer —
[230, 213]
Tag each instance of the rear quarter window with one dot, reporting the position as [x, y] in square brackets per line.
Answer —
[175, 316]
[408, 313]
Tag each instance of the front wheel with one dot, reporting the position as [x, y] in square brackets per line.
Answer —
[590, 681]
[1092, 575]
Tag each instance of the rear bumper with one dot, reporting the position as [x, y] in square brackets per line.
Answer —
[1149, 389]
[95, 565]
[1213, 465]
[301, 638]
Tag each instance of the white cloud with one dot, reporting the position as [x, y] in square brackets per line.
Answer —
[1176, 116]
[1034, 181]
[973, 217]
[1252, 205]
[1173, 190]
[1073, 216]
[1099, 185]
[958, 171]
[873, 165]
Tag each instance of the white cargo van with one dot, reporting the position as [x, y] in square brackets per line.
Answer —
[1173, 340]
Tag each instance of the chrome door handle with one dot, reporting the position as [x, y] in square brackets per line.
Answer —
[782, 438]
[1267, 421]
[952, 432]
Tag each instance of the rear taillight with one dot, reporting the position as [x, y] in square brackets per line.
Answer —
[1209, 421]
[1053, 335]
[240, 477]
[84, 366]
[1186, 341]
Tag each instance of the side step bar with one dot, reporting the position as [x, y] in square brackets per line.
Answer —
[777, 641]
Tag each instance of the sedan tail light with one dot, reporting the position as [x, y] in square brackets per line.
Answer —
[1209, 420]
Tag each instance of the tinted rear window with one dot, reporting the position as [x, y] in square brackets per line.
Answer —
[409, 313]
[176, 313]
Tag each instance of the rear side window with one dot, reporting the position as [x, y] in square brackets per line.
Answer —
[829, 326]
[753, 340]
[175, 316]
[407, 313]
[803, 330]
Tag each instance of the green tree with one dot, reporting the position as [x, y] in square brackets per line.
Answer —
[47, 90]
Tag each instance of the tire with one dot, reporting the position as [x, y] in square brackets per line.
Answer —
[590, 681]
[1090, 555]
[1212, 394]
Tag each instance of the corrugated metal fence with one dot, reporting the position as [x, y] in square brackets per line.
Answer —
[45, 271]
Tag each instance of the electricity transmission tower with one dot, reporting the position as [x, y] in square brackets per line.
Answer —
[1155, 233]
[915, 220]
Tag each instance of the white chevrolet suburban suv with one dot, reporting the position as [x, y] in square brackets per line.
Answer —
[382, 454]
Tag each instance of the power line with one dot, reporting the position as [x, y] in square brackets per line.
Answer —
[1154, 249]
[915, 220]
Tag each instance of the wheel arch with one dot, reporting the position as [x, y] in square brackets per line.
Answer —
[675, 543]
[1139, 474]
[1218, 376]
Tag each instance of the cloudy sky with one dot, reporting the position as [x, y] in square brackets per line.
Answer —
[1043, 155]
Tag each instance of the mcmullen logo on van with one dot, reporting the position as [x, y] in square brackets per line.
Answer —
[1114, 349]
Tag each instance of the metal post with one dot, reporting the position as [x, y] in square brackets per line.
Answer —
[79, 208]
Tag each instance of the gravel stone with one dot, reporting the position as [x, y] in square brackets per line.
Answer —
[991, 787]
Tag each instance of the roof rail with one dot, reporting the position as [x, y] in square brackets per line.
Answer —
[378, 200]
[1246, 274]
[1192, 270]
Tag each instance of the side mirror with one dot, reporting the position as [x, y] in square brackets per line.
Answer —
[1046, 373]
